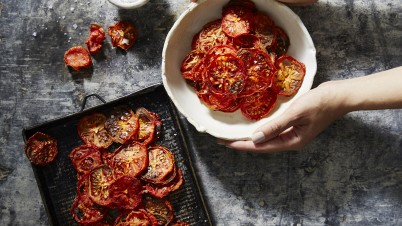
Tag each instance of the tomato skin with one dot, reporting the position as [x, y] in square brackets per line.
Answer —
[289, 76]
[78, 58]
[123, 34]
[259, 104]
[41, 149]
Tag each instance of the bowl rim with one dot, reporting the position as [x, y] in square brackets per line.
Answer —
[128, 5]
[195, 123]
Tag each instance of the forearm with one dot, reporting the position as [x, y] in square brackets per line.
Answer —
[381, 90]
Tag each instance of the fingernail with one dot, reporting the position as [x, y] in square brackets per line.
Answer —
[258, 137]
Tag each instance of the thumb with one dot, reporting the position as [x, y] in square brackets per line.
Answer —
[271, 129]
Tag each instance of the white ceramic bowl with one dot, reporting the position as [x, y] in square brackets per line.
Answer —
[229, 126]
[128, 4]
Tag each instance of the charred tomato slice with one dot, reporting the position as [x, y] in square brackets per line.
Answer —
[130, 159]
[41, 149]
[91, 129]
[122, 124]
[258, 105]
[289, 76]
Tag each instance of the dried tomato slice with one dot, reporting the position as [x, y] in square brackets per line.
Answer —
[136, 217]
[258, 105]
[85, 158]
[85, 211]
[130, 159]
[226, 74]
[190, 61]
[236, 21]
[122, 124]
[246, 41]
[123, 34]
[160, 208]
[91, 129]
[41, 149]
[99, 180]
[95, 39]
[289, 76]
[125, 193]
[210, 35]
[282, 42]
[78, 58]
[264, 30]
[259, 70]
[149, 124]
[162, 190]
[161, 164]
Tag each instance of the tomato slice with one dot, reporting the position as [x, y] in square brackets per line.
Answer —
[123, 34]
[99, 180]
[226, 75]
[264, 29]
[259, 104]
[91, 129]
[236, 21]
[148, 126]
[136, 217]
[210, 35]
[161, 164]
[282, 42]
[190, 61]
[85, 158]
[122, 124]
[41, 149]
[125, 193]
[95, 39]
[259, 70]
[160, 208]
[130, 159]
[85, 211]
[289, 76]
[162, 190]
[78, 58]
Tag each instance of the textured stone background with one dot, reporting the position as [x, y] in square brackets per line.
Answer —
[351, 174]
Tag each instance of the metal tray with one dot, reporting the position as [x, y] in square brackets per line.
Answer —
[57, 181]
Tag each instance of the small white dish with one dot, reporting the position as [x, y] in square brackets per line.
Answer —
[128, 4]
[229, 126]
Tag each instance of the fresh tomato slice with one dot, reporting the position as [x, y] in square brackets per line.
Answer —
[122, 124]
[41, 149]
[160, 208]
[95, 39]
[226, 75]
[78, 58]
[210, 35]
[85, 211]
[99, 180]
[85, 158]
[258, 105]
[123, 34]
[289, 76]
[125, 193]
[259, 70]
[160, 164]
[91, 129]
[236, 21]
[130, 159]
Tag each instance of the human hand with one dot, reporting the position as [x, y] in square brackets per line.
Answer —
[306, 117]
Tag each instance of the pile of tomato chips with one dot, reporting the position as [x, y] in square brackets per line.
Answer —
[129, 184]
[239, 62]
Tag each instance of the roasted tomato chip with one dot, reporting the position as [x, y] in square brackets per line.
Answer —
[91, 129]
[85, 158]
[190, 61]
[248, 4]
[162, 190]
[282, 42]
[161, 164]
[236, 21]
[148, 123]
[130, 159]
[289, 76]
[122, 124]
[41, 149]
[136, 217]
[99, 180]
[211, 35]
[160, 208]
[95, 39]
[123, 34]
[78, 58]
[85, 211]
[125, 193]
[258, 105]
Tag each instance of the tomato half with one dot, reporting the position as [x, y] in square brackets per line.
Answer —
[78, 58]
[95, 39]
[259, 70]
[160, 164]
[122, 124]
[125, 193]
[123, 34]
[258, 105]
[99, 180]
[236, 21]
[85, 211]
[289, 76]
[91, 129]
[130, 159]
[41, 149]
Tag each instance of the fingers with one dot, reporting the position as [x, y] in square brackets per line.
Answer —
[271, 129]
